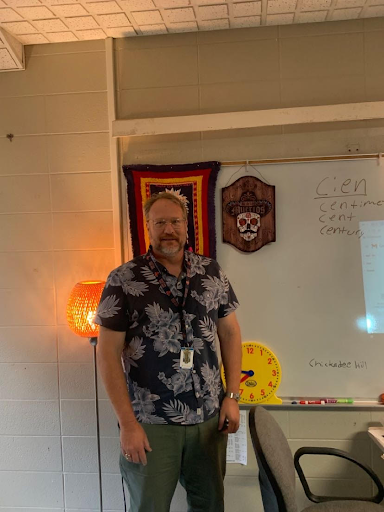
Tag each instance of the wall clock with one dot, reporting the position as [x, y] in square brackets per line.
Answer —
[260, 375]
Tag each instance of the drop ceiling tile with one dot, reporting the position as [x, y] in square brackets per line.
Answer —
[246, 9]
[281, 6]
[153, 29]
[113, 20]
[2, 4]
[210, 2]
[2, 43]
[21, 3]
[81, 23]
[374, 11]
[312, 17]
[138, 5]
[91, 34]
[121, 32]
[103, 7]
[148, 17]
[36, 13]
[279, 19]
[168, 4]
[213, 12]
[246, 21]
[345, 14]
[214, 24]
[54, 25]
[62, 37]
[178, 15]
[60, 2]
[21, 27]
[315, 5]
[349, 3]
[6, 61]
[9, 15]
[33, 39]
[185, 26]
[70, 10]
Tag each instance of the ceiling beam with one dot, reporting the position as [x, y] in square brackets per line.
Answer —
[12, 52]
[248, 119]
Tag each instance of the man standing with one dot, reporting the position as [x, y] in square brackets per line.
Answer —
[159, 314]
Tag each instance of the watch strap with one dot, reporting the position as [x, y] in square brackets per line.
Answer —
[235, 396]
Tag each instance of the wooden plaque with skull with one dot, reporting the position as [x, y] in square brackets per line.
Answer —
[248, 214]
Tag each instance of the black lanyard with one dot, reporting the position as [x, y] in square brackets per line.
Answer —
[163, 285]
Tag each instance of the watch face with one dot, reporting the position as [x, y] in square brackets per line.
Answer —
[260, 374]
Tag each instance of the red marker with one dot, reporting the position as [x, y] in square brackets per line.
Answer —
[311, 402]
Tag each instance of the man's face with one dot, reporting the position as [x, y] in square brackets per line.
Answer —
[166, 240]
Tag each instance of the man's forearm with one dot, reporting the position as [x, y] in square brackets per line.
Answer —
[232, 366]
[230, 346]
[114, 381]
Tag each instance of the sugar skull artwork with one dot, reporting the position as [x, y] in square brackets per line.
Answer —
[249, 214]
[248, 223]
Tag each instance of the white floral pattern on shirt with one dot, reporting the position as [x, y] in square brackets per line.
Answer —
[133, 301]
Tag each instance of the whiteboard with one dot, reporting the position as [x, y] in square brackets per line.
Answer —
[303, 296]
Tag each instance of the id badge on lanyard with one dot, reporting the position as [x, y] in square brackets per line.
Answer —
[186, 358]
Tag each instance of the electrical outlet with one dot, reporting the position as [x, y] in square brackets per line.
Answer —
[353, 148]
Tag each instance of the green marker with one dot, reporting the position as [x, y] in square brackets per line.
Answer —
[344, 401]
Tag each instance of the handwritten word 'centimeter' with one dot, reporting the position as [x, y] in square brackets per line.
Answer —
[324, 401]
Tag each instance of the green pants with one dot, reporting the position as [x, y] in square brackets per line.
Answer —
[195, 455]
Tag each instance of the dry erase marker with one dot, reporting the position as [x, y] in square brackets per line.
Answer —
[312, 402]
[338, 400]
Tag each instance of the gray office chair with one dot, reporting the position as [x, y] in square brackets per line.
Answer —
[273, 453]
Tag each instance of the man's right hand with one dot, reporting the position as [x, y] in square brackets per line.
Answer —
[134, 443]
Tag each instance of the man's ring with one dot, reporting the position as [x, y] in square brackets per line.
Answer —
[128, 457]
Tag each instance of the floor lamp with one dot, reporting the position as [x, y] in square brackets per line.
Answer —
[81, 309]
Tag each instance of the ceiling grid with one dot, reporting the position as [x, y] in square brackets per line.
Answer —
[54, 21]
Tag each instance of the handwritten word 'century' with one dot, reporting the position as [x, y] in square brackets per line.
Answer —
[349, 365]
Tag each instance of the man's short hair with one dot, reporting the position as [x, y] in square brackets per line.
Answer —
[163, 195]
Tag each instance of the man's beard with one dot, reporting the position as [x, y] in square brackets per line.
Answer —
[170, 250]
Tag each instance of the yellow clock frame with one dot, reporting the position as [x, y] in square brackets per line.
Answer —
[260, 374]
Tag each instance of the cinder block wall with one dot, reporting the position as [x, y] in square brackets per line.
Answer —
[56, 226]
[56, 229]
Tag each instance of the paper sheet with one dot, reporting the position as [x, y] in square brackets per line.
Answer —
[237, 443]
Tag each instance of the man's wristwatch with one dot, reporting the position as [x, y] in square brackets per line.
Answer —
[235, 396]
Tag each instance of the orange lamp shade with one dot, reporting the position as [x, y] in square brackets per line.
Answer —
[81, 308]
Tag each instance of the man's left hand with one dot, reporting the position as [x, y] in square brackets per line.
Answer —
[229, 416]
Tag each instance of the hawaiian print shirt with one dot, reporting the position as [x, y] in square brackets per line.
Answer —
[133, 301]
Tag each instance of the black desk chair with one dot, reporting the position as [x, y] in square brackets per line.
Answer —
[274, 454]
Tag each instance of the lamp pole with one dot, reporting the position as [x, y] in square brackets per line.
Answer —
[93, 342]
[81, 308]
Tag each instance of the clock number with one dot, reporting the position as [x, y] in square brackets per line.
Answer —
[261, 351]
[269, 360]
[270, 384]
[241, 391]
[250, 350]
[273, 373]
[251, 396]
[262, 392]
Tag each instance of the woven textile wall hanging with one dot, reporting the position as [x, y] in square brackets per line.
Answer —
[193, 183]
